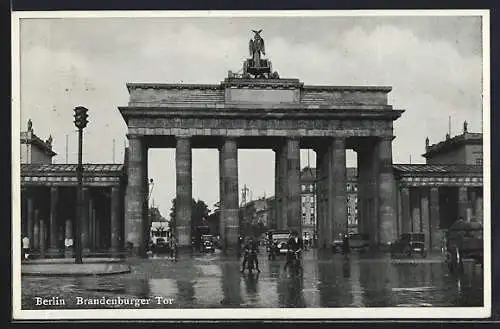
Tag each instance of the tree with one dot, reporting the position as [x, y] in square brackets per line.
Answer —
[155, 215]
[199, 213]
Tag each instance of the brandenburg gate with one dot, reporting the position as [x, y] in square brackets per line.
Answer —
[259, 110]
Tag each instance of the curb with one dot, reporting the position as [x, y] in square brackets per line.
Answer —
[123, 270]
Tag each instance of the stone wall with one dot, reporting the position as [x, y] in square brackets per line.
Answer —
[344, 96]
[259, 127]
[162, 96]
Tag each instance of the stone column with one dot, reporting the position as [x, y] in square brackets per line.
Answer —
[36, 230]
[463, 202]
[84, 224]
[434, 219]
[68, 230]
[479, 208]
[400, 212]
[277, 186]
[115, 219]
[222, 227]
[30, 219]
[93, 229]
[283, 187]
[294, 218]
[183, 163]
[321, 190]
[406, 224]
[43, 237]
[24, 220]
[364, 161]
[424, 217]
[371, 147]
[472, 203]
[386, 193]
[135, 195]
[230, 211]
[337, 188]
[54, 198]
[415, 210]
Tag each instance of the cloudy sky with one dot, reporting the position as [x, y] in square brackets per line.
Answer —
[434, 65]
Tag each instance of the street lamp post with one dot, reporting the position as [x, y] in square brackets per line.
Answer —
[80, 122]
[149, 206]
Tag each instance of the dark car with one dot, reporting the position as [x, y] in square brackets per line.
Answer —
[463, 240]
[207, 243]
[357, 242]
[159, 245]
[278, 242]
[337, 243]
[409, 244]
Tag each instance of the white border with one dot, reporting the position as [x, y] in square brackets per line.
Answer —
[263, 313]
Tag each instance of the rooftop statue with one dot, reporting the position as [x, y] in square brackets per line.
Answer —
[30, 125]
[256, 66]
[256, 47]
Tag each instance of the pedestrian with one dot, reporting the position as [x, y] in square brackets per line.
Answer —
[346, 248]
[295, 245]
[26, 247]
[251, 249]
[173, 248]
[68, 243]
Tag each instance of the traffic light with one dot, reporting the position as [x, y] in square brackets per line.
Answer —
[81, 117]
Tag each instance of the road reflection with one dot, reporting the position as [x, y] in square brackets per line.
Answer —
[327, 281]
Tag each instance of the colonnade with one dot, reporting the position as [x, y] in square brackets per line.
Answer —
[47, 219]
[378, 197]
[433, 209]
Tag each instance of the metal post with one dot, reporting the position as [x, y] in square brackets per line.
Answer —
[79, 198]
[80, 123]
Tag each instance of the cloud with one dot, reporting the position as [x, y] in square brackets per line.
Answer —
[433, 65]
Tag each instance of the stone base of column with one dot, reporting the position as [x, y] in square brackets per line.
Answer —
[54, 252]
[116, 252]
[231, 228]
[184, 252]
[183, 236]
[136, 251]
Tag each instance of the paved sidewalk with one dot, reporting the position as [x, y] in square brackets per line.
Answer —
[67, 267]
[86, 260]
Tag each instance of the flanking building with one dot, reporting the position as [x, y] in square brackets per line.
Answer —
[48, 201]
[434, 195]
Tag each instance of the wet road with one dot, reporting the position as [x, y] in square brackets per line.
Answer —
[214, 281]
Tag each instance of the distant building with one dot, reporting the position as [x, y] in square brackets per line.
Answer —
[464, 149]
[352, 199]
[254, 213]
[309, 202]
[35, 150]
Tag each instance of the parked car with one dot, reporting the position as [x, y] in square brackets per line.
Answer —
[409, 244]
[160, 245]
[357, 242]
[463, 240]
[337, 243]
[207, 243]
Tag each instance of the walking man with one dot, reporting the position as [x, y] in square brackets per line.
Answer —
[26, 247]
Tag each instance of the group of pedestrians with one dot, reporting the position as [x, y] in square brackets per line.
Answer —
[251, 250]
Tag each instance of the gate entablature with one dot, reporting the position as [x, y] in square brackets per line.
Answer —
[234, 92]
